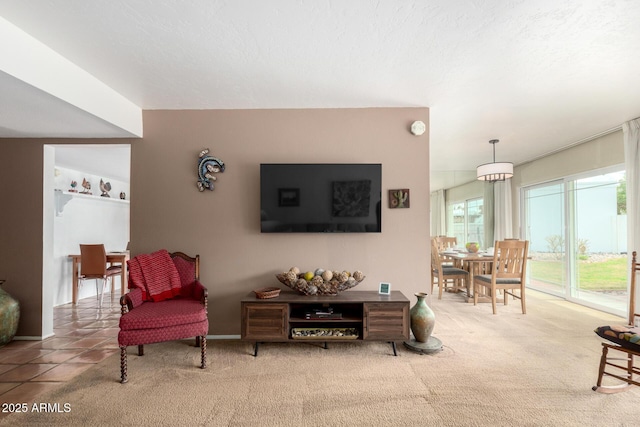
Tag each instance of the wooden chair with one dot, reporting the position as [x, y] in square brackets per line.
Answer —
[443, 274]
[508, 271]
[93, 266]
[445, 242]
[625, 342]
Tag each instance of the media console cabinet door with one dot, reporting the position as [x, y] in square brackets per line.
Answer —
[264, 322]
[386, 321]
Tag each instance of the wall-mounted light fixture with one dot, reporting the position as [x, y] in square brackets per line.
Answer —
[496, 171]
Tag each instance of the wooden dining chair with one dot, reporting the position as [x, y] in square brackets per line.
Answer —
[93, 266]
[445, 242]
[443, 274]
[625, 342]
[508, 271]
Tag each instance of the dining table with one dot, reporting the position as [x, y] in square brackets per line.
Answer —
[473, 262]
[113, 258]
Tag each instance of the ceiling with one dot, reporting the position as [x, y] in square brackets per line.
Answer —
[537, 75]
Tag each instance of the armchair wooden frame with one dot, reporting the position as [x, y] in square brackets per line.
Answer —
[624, 366]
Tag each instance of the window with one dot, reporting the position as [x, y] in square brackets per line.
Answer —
[465, 221]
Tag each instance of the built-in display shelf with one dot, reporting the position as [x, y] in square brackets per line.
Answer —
[63, 197]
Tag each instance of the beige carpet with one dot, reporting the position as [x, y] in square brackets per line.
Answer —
[504, 370]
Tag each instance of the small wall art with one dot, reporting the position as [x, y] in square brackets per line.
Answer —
[399, 199]
[207, 167]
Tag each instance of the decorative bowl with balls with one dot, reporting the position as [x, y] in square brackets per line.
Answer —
[320, 281]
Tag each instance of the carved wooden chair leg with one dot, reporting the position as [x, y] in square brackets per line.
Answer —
[140, 350]
[203, 352]
[123, 364]
[603, 362]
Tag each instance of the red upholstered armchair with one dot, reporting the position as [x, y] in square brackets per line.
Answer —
[166, 302]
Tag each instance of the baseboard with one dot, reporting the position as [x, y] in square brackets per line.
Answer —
[223, 337]
[209, 337]
[31, 338]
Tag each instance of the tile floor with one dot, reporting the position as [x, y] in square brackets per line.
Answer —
[85, 334]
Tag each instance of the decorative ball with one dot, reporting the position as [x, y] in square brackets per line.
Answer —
[301, 284]
[317, 280]
[312, 290]
[296, 270]
[291, 276]
[319, 271]
[308, 275]
[351, 281]
[358, 275]
[342, 277]
[327, 275]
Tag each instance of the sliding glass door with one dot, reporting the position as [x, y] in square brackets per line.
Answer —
[577, 233]
[598, 243]
[544, 208]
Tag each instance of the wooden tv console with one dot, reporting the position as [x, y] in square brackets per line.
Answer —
[290, 316]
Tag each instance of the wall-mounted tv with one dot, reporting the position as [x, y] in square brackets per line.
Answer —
[320, 197]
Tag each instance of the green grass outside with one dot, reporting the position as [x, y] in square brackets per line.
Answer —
[594, 276]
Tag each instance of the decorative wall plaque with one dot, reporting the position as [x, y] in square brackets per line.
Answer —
[207, 167]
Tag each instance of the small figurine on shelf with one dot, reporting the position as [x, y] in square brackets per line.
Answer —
[123, 196]
[87, 187]
[74, 184]
[105, 187]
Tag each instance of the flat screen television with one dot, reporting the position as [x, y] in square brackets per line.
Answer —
[320, 197]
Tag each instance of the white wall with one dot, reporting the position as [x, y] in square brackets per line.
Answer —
[85, 219]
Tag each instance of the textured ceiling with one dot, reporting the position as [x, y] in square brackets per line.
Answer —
[538, 75]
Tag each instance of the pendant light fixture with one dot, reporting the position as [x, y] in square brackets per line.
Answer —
[492, 172]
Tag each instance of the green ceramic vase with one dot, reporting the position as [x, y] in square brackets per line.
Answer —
[422, 318]
[9, 317]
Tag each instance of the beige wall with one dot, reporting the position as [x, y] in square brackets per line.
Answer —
[21, 228]
[222, 226]
[21, 224]
[167, 211]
